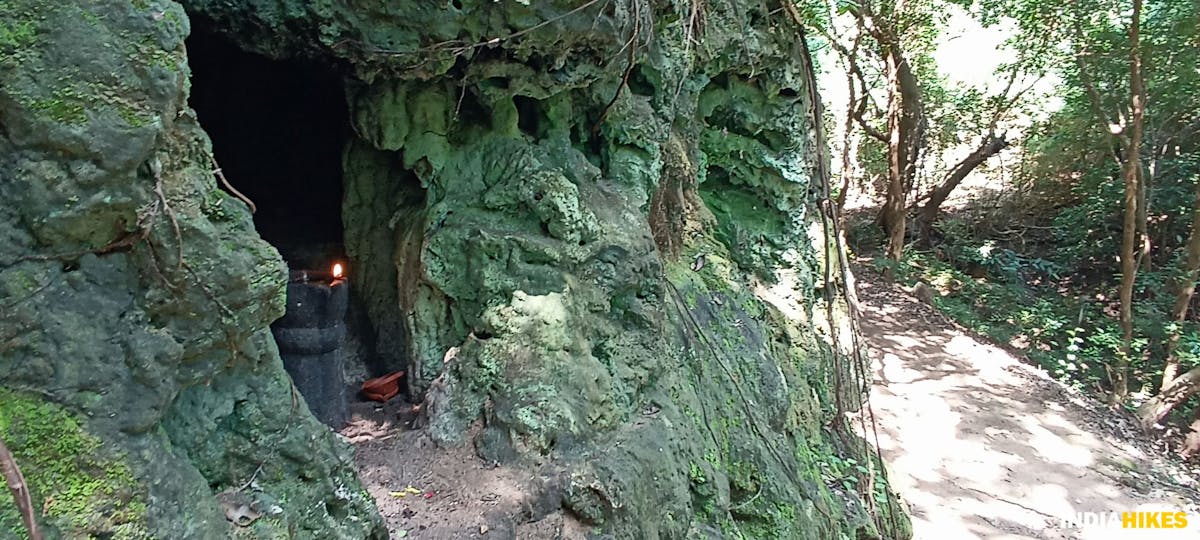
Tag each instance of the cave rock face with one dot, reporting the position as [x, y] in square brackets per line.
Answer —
[137, 298]
[590, 232]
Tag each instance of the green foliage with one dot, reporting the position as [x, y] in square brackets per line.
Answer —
[1045, 310]
[1072, 163]
[843, 471]
[1065, 335]
[993, 259]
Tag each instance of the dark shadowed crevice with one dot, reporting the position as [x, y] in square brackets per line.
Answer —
[278, 129]
[528, 115]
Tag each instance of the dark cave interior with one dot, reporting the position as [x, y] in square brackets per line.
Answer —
[278, 129]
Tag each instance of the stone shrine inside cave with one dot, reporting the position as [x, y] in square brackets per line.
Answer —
[278, 130]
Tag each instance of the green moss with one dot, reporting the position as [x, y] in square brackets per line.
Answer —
[18, 27]
[147, 51]
[68, 97]
[82, 491]
[131, 117]
[775, 521]
[751, 230]
[90, 17]
[696, 474]
[63, 106]
[17, 34]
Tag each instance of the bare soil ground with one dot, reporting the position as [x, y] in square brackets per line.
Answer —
[983, 445]
[978, 443]
[427, 492]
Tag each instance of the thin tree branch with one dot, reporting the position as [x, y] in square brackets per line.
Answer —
[1093, 93]
[225, 182]
[851, 59]
[20, 491]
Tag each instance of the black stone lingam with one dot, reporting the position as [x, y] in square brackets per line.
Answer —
[310, 337]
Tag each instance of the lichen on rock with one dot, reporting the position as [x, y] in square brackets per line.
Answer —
[562, 218]
[137, 296]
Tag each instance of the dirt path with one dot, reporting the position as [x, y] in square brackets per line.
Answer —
[981, 445]
[429, 493]
[978, 444]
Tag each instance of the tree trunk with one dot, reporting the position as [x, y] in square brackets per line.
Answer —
[1183, 387]
[1119, 371]
[849, 141]
[905, 136]
[848, 149]
[928, 214]
[1143, 222]
[1185, 289]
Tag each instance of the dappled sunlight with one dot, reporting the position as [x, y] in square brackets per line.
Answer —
[895, 371]
[783, 295]
[1053, 448]
[990, 360]
[902, 340]
[979, 444]
[1053, 499]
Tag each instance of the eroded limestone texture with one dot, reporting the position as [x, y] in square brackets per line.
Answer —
[135, 297]
[590, 204]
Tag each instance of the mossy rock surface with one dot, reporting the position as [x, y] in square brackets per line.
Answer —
[82, 488]
[137, 298]
[624, 259]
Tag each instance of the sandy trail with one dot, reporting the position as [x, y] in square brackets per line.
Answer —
[981, 445]
[978, 444]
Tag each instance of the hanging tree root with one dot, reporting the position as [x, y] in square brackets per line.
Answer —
[20, 491]
[225, 182]
[455, 47]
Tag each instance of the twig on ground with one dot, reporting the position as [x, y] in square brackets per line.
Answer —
[1003, 500]
[253, 477]
[20, 491]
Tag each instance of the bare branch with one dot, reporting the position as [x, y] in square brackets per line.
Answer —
[855, 71]
[20, 491]
[228, 186]
[1093, 93]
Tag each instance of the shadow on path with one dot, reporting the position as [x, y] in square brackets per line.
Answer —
[981, 445]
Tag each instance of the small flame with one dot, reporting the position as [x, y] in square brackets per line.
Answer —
[337, 270]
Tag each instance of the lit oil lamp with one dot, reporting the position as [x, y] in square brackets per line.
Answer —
[335, 274]
[310, 337]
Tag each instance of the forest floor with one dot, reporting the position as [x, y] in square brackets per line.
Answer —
[978, 443]
[982, 445]
[428, 492]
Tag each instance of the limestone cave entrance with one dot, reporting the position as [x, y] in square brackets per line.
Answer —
[278, 129]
